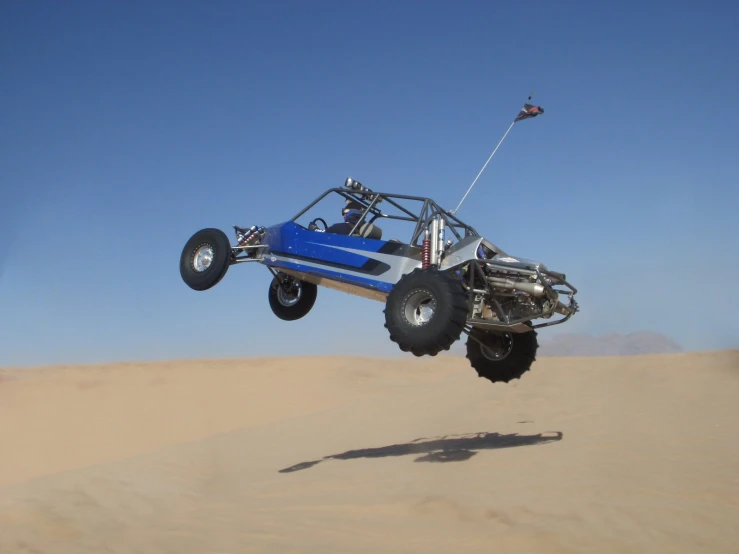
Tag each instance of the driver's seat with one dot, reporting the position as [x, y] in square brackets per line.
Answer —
[370, 231]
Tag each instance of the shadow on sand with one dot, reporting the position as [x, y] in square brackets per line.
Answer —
[454, 448]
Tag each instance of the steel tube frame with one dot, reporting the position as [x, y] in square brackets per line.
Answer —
[429, 210]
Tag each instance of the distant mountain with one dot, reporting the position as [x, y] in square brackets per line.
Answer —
[611, 344]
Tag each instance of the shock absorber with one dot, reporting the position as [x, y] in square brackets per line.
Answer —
[434, 236]
[244, 234]
[440, 245]
[426, 252]
[251, 235]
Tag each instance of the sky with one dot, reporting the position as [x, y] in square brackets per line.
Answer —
[128, 126]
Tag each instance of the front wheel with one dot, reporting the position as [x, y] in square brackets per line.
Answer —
[291, 298]
[426, 312]
[502, 356]
[205, 259]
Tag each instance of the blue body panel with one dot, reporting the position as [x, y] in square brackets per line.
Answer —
[291, 238]
[317, 253]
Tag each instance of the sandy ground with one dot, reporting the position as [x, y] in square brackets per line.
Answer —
[339, 455]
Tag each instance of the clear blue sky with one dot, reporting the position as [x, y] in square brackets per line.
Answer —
[127, 126]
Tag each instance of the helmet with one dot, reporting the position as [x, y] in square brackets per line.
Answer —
[352, 212]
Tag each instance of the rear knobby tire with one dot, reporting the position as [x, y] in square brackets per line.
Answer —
[505, 357]
[205, 259]
[426, 311]
[293, 303]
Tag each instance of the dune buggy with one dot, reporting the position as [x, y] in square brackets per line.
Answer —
[444, 280]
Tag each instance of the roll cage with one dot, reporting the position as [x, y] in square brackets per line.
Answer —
[370, 200]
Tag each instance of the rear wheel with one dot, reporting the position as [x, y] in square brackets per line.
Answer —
[205, 259]
[291, 298]
[502, 356]
[426, 312]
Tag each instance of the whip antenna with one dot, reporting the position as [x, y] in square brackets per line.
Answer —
[527, 111]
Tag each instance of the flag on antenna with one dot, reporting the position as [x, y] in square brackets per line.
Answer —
[528, 111]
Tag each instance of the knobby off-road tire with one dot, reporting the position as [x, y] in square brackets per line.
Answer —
[426, 311]
[507, 356]
[294, 303]
[205, 259]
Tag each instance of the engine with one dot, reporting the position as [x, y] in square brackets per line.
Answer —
[524, 306]
[519, 296]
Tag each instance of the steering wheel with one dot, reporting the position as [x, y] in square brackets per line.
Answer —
[312, 226]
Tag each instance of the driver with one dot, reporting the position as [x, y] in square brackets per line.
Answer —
[352, 212]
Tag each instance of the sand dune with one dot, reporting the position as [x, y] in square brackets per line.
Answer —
[339, 455]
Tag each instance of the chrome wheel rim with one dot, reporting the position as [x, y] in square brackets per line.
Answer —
[203, 258]
[289, 298]
[419, 308]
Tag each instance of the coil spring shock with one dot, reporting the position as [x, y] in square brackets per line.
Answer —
[254, 233]
[426, 251]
